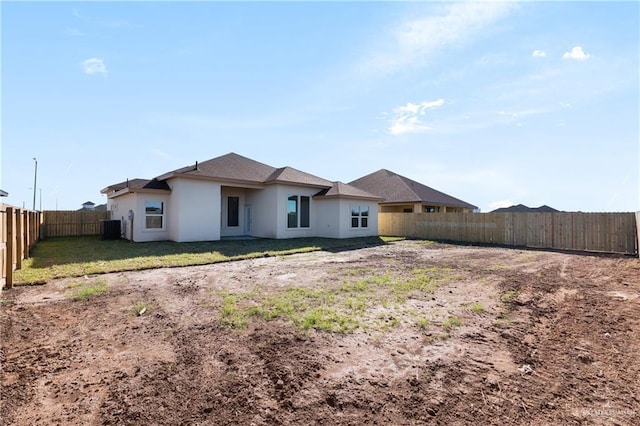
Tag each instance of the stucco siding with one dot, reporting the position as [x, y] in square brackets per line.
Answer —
[346, 230]
[327, 214]
[263, 204]
[197, 209]
[282, 195]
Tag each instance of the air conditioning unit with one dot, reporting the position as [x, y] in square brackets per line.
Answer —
[110, 230]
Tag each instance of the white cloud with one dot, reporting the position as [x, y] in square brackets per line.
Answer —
[539, 53]
[576, 53]
[94, 66]
[406, 119]
[457, 23]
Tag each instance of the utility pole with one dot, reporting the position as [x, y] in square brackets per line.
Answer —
[35, 181]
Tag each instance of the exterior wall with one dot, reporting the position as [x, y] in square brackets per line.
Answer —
[264, 211]
[119, 208]
[230, 231]
[195, 210]
[135, 230]
[395, 208]
[328, 219]
[421, 208]
[282, 194]
[346, 231]
[333, 218]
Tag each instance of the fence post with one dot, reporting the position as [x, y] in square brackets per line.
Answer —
[19, 238]
[10, 247]
[638, 232]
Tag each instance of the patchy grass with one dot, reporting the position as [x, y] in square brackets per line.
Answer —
[507, 296]
[83, 289]
[477, 308]
[78, 256]
[141, 308]
[342, 307]
[451, 323]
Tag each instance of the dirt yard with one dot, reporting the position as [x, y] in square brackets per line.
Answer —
[486, 336]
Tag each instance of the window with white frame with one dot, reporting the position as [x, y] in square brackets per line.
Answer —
[154, 214]
[298, 211]
[359, 216]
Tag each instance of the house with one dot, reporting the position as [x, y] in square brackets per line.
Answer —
[403, 195]
[231, 196]
[90, 205]
[521, 208]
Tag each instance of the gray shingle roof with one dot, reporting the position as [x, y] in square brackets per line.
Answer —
[229, 167]
[234, 167]
[521, 208]
[394, 188]
[291, 175]
[339, 189]
[138, 184]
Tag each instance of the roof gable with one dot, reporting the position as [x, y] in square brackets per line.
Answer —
[394, 188]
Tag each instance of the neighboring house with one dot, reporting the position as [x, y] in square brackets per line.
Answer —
[231, 196]
[403, 195]
[521, 208]
[89, 205]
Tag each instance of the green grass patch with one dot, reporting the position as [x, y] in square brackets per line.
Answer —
[141, 308]
[78, 256]
[507, 296]
[342, 307]
[451, 323]
[85, 289]
[477, 308]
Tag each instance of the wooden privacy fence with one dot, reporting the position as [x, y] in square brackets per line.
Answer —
[19, 232]
[58, 223]
[597, 232]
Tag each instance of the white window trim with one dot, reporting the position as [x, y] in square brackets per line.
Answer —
[163, 216]
[359, 216]
[298, 226]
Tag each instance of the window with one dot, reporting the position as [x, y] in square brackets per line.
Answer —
[298, 211]
[292, 212]
[154, 214]
[359, 216]
[233, 211]
[304, 211]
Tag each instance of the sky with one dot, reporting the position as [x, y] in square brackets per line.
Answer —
[494, 103]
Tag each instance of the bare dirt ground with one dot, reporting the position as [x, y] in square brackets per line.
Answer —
[544, 338]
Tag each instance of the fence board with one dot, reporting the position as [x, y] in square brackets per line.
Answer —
[59, 223]
[597, 232]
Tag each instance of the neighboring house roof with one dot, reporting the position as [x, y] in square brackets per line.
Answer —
[97, 208]
[396, 189]
[339, 189]
[521, 208]
[88, 203]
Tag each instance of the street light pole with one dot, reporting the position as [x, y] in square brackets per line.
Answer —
[35, 181]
